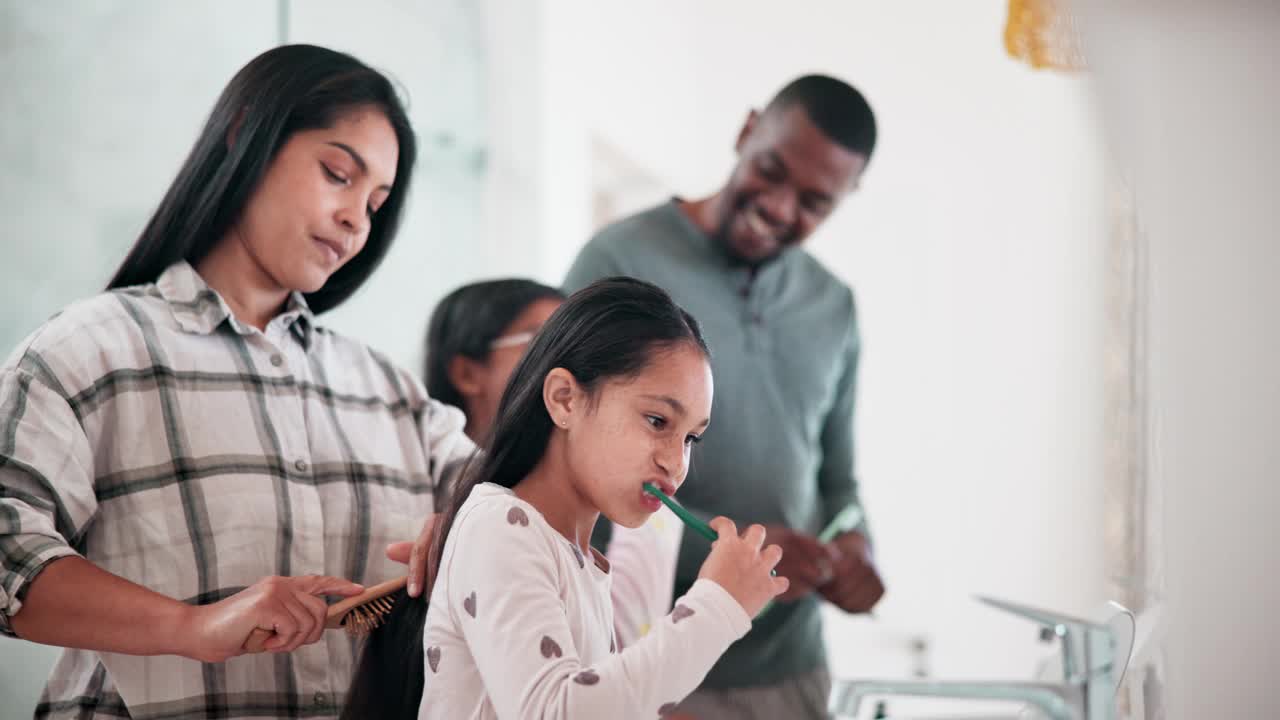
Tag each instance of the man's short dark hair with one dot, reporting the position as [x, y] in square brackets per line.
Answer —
[836, 107]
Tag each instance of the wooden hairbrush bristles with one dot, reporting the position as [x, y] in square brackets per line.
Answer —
[366, 611]
[358, 614]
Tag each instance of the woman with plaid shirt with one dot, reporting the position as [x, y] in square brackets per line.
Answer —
[190, 456]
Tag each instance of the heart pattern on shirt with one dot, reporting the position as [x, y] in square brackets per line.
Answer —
[587, 677]
[469, 604]
[679, 613]
[550, 648]
[517, 516]
[667, 710]
[433, 658]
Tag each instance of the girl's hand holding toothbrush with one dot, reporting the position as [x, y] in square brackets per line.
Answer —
[742, 566]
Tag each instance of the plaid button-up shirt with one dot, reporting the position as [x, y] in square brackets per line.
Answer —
[150, 432]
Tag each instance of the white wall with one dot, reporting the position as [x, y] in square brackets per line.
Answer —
[102, 101]
[1192, 100]
[976, 251]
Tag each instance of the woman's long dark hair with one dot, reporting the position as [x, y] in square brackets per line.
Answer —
[611, 330]
[282, 91]
[468, 320]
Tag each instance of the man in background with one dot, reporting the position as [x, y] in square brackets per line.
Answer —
[784, 340]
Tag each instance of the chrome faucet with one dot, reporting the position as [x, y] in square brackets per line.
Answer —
[1094, 655]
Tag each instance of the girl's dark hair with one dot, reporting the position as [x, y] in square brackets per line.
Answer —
[611, 330]
[282, 91]
[467, 320]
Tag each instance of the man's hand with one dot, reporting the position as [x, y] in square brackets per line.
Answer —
[805, 562]
[855, 586]
[414, 554]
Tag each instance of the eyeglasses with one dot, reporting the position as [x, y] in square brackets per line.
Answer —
[512, 340]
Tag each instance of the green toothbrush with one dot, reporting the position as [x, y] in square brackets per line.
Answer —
[693, 521]
[844, 520]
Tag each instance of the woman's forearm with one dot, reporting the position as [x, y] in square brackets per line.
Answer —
[74, 603]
